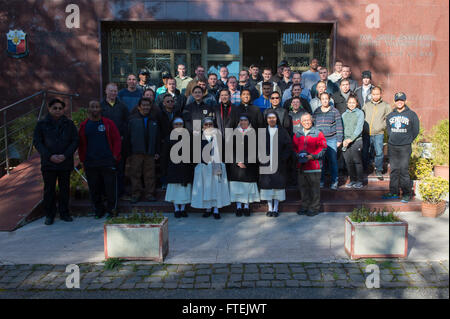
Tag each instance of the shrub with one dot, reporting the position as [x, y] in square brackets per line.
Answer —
[440, 140]
[420, 167]
[433, 189]
[363, 215]
[137, 218]
[79, 116]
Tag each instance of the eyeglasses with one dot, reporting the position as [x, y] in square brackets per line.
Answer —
[275, 98]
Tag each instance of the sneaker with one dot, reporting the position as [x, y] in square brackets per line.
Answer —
[302, 212]
[390, 196]
[177, 214]
[246, 212]
[206, 214]
[269, 214]
[49, 221]
[379, 176]
[216, 216]
[184, 213]
[66, 218]
[334, 186]
[312, 213]
[350, 185]
[358, 185]
[239, 212]
[406, 199]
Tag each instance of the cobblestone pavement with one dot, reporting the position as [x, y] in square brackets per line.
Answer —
[129, 275]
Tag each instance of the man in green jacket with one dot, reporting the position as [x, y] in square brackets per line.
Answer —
[375, 111]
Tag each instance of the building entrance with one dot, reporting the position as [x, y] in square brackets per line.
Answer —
[128, 47]
[260, 48]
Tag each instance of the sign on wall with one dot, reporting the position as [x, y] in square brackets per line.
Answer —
[17, 43]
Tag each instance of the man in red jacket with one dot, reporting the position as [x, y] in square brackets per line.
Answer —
[99, 150]
[310, 146]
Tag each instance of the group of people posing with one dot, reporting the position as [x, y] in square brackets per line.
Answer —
[305, 125]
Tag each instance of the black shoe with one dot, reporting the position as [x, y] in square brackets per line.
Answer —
[48, 221]
[239, 212]
[246, 212]
[206, 214]
[269, 214]
[184, 213]
[274, 214]
[302, 212]
[216, 216]
[66, 218]
[177, 214]
[311, 213]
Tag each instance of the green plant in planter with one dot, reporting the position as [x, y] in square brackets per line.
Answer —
[433, 189]
[440, 139]
[363, 215]
[137, 218]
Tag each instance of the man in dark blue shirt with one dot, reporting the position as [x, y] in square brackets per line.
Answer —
[100, 148]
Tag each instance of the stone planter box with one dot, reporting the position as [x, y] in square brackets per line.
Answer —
[376, 240]
[137, 241]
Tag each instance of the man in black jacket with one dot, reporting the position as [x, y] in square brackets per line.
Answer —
[252, 112]
[56, 140]
[340, 97]
[403, 126]
[143, 144]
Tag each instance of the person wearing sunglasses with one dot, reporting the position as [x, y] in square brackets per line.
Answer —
[283, 115]
[56, 139]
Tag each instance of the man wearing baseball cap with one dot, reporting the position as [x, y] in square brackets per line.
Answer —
[363, 92]
[402, 127]
[144, 80]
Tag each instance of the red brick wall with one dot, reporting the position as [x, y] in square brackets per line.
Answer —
[409, 51]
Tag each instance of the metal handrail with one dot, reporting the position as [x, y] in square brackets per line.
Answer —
[3, 110]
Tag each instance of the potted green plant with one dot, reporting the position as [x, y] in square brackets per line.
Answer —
[440, 140]
[433, 190]
[375, 234]
[138, 236]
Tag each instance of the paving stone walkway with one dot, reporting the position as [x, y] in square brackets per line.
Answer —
[130, 275]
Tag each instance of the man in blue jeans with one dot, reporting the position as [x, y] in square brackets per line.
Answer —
[328, 120]
[376, 111]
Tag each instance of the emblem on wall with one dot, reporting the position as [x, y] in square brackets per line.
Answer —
[17, 43]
